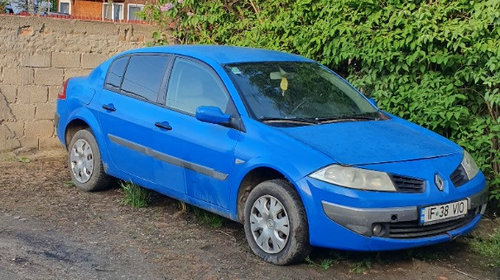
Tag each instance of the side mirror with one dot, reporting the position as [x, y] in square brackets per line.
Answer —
[212, 114]
[372, 101]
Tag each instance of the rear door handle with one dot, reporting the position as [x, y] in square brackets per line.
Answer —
[109, 107]
[163, 125]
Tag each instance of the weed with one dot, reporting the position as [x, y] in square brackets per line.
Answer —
[23, 159]
[135, 196]
[183, 207]
[202, 216]
[208, 218]
[325, 263]
[361, 266]
[69, 184]
[489, 247]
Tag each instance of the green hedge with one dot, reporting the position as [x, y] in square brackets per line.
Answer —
[433, 62]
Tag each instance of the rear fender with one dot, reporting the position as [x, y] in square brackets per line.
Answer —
[84, 114]
[79, 89]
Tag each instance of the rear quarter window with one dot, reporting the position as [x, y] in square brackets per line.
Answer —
[115, 73]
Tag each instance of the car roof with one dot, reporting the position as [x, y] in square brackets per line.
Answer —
[224, 54]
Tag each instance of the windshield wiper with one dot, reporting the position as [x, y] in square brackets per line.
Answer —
[289, 120]
[349, 117]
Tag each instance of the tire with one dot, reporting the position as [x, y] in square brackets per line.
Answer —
[283, 246]
[85, 164]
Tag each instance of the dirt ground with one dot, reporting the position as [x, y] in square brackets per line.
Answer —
[51, 230]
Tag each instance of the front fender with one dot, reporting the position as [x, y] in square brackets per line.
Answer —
[289, 171]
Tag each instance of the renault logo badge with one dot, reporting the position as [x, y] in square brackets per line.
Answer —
[439, 181]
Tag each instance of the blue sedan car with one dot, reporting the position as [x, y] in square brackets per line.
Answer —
[273, 140]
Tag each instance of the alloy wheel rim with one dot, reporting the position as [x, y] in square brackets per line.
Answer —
[269, 224]
[82, 161]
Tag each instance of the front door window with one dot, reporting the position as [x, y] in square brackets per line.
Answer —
[192, 85]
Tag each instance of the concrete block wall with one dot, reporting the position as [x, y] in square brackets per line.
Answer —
[36, 55]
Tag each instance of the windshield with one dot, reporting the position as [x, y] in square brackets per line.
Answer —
[300, 91]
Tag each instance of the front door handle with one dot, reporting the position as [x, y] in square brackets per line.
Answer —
[163, 125]
[109, 107]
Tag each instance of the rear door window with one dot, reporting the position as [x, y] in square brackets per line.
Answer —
[139, 76]
[144, 76]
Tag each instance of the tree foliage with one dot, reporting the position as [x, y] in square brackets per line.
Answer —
[433, 62]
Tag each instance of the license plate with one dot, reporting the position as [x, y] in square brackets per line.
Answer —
[438, 213]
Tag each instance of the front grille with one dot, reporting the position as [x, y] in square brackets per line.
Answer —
[407, 184]
[413, 229]
[459, 177]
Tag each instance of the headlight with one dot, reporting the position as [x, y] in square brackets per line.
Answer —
[356, 178]
[469, 165]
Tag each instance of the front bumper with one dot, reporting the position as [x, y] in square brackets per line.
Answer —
[343, 218]
[363, 220]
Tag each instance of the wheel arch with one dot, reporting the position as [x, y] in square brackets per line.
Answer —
[252, 178]
[84, 119]
[74, 126]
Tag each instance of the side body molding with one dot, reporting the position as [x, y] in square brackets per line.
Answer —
[167, 158]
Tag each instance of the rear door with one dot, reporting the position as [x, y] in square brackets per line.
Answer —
[129, 110]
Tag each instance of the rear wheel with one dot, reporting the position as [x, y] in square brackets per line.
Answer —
[275, 223]
[84, 160]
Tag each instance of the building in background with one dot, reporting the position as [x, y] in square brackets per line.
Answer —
[112, 10]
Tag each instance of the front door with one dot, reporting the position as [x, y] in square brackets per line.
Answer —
[204, 150]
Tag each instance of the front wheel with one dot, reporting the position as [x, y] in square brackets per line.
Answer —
[84, 160]
[275, 223]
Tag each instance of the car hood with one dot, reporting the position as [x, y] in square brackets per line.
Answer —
[371, 142]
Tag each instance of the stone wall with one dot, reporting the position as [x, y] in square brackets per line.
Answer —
[36, 55]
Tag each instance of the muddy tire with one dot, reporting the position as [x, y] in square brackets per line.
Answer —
[85, 164]
[276, 224]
